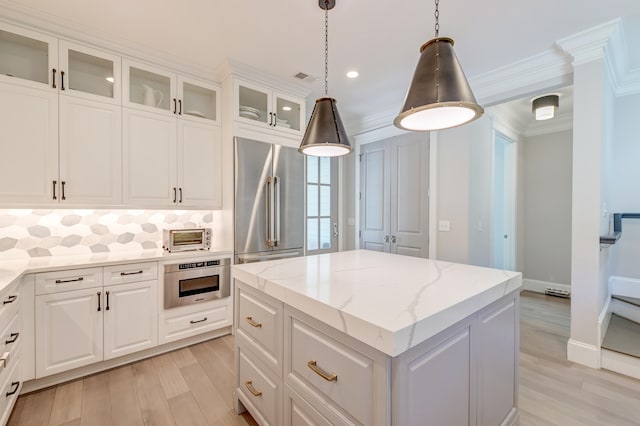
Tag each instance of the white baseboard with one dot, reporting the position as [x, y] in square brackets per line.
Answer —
[583, 354]
[623, 286]
[540, 286]
[620, 363]
[625, 310]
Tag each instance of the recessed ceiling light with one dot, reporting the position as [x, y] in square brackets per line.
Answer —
[352, 74]
[110, 79]
[286, 108]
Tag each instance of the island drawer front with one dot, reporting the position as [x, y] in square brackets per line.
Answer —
[130, 273]
[352, 387]
[259, 387]
[261, 320]
[193, 323]
[9, 306]
[10, 385]
[11, 333]
[299, 412]
[72, 279]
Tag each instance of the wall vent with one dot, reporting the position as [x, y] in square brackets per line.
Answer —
[556, 292]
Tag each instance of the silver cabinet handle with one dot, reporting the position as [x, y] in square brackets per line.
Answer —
[70, 281]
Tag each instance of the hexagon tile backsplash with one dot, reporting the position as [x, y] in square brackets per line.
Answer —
[28, 233]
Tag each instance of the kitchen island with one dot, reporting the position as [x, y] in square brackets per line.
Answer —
[362, 337]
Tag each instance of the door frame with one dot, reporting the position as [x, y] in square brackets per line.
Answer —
[510, 199]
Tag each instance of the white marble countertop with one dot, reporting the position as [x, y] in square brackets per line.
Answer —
[387, 301]
[10, 270]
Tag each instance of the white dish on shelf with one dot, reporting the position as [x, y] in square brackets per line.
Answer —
[288, 126]
[248, 109]
[195, 113]
[250, 114]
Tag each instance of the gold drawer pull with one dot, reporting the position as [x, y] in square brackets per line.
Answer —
[252, 323]
[328, 377]
[254, 392]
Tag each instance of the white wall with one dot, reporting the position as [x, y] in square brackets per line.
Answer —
[625, 193]
[547, 207]
[480, 190]
[348, 200]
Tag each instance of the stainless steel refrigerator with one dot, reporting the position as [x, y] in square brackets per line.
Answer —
[269, 201]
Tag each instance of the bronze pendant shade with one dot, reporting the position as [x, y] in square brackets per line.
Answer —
[325, 135]
[439, 96]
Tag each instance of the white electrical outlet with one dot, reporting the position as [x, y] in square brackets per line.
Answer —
[444, 226]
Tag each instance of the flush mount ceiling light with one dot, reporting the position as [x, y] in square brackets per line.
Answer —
[545, 106]
[325, 135]
[439, 96]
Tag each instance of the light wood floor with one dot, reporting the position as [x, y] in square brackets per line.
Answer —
[193, 386]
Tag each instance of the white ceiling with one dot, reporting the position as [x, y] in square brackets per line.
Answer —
[378, 38]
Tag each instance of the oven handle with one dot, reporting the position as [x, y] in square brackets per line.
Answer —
[250, 258]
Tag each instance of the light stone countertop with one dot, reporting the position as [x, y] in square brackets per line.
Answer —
[11, 270]
[387, 301]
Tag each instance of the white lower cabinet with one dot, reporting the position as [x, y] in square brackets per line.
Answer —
[78, 326]
[11, 348]
[184, 322]
[465, 375]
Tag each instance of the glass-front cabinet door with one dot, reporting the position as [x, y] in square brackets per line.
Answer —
[28, 58]
[254, 103]
[89, 73]
[264, 107]
[198, 100]
[289, 113]
[149, 88]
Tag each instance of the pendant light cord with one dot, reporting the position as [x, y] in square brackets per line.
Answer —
[437, 15]
[326, 47]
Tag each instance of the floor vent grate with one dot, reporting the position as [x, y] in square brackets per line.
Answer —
[556, 292]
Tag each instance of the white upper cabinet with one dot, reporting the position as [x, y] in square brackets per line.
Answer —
[261, 106]
[89, 73]
[158, 90]
[28, 58]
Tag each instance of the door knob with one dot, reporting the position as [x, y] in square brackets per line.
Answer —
[386, 238]
[393, 239]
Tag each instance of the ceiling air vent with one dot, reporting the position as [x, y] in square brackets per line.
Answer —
[305, 77]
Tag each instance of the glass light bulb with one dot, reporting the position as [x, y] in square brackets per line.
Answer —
[438, 118]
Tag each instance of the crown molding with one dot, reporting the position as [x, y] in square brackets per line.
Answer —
[545, 70]
[590, 44]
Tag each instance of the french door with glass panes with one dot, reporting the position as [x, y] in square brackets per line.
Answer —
[322, 205]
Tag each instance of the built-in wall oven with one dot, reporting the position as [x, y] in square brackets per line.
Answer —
[195, 282]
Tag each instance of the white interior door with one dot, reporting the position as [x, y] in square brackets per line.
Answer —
[410, 203]
[503, 206]
[375, 204]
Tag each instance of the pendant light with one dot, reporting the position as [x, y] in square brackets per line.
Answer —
[439, 96]
[325, 135]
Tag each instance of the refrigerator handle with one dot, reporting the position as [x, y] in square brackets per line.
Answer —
[276, 185]
[267, 203]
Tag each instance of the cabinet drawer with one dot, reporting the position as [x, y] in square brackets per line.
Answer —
[134, 272]
[334, 370]
[9, 339]
[258, 387]
[10, 386]
[9, 306]
[72, 279]
[299, 412]
[261, 320]
[191, 324]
